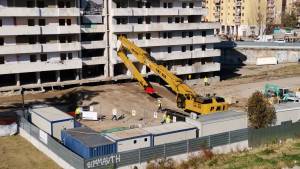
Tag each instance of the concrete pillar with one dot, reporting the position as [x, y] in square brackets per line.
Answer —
[18, 79]
[57, 76]
[144, 69]
[38, 77]
[78, 77]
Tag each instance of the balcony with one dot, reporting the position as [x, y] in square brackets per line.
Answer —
[61, 47]
[20, 49]
[93, 44]
[53, 30]
[164, 27]
[196, 68]
[158, 11]
[94, 60]
[25, 67]
[92, 28]
[19, 30]
[38, 12]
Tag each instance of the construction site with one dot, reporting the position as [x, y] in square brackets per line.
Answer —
[115, 84]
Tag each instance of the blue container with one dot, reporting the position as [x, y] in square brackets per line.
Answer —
[87, 143]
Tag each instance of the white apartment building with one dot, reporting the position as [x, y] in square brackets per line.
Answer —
[46, 43]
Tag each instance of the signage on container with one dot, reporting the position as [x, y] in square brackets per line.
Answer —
[43, 137]
[103, 161]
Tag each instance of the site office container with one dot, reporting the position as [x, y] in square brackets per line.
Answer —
[289, 111]
[172, 132]
[51, 120]
[130, 139]
[87, 143]
[219, 122]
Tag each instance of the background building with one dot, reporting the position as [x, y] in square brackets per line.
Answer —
[45, 43]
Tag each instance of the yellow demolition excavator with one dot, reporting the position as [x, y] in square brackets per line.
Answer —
[187, 98]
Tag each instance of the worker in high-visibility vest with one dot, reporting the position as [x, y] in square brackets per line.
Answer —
[159, 104]
[205, 81]
[164, 118]
[168, 119]
[78, 113]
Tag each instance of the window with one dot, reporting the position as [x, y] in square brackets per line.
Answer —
[140, 4]
[2, 61]
[148, 4]
[61, 4]
[170, 19]
[30, 22]
[191, 48]
[165, 5]
[118, 5]
[68, 4]
[177, 19]
[140, 36]
[145, 139]
[69, 22]
[43, 57]
[0, 22]
[148, 20]
[40, 4]
[191, 5]
[69, 39]
[42, 40]
[63, 56]
[183, 48]
[169, 49]
[169, 34]
[182, 19]
[33, 58]
[170, 5]
[61, 22]
[183, 5]
[32, 40]
[140, 20]
[148, 35]
[157, 19]
[118, 21]
[203, 47]
[70, 56]
[62, 39]
[165, 35]
[191, 34]
[42, 22]
[134, 141]
[183, 34]
[30, 4]
[204, 33]
[1, 41]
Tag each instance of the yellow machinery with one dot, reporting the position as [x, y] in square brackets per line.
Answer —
[187, 99]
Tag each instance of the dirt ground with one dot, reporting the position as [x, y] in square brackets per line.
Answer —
[17, 153]
[126, 97]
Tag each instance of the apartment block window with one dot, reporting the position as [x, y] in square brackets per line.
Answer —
[204, 33]
[170, 5]
[68, 4]
[157, 19]
[140, 36]
[69, 22]
[42, 40]
[30, 22]
[1, 41]
[70, 56]
[0, 22]
[191, 34]
[69, 39]
[63, 56]
[169, 49]
[33, 58]
[177, 19]
[191, 5]
[148, 20]
[165, 35]
[183, 48]
[183, 5]
[32, 40]
[148, 4]
[42, 22]
[2, 61]
[40, 4]
[118, 5]
[170, 19]
[140, 20]
[61, 4]
[165, 5]
[170, 35]
[118, 21]
[30, 4]
[62, 39]
[140, 4]
[148, 35]
[62, 22]
[191, 48]
[43, 57]
[203, 47]
[182, 19]
[183, 34]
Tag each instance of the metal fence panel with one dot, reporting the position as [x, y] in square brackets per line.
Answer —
[198, 143]
[152, 153]
[238, 135]
[128, 158]
[219, 139]
[176, 148]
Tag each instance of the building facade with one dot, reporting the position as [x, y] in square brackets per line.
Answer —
[45, 43]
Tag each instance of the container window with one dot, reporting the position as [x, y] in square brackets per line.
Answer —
[145, 139]
[134, 141]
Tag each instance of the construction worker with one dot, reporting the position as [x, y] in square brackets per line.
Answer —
[168, 119]
[78, 113]
[114, 114]
[164, 118]
[159, 105]
[205, 81]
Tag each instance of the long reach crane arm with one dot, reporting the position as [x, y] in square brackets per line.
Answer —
[187, 98]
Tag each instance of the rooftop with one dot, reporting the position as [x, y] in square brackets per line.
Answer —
[165, 128]
[220, 116]
[50, 113]
[287, 106]
[125, 134]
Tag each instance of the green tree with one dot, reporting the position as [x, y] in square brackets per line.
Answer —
[289, 20]
[261, 113]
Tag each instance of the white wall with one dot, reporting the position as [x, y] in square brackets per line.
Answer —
[130, 145]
